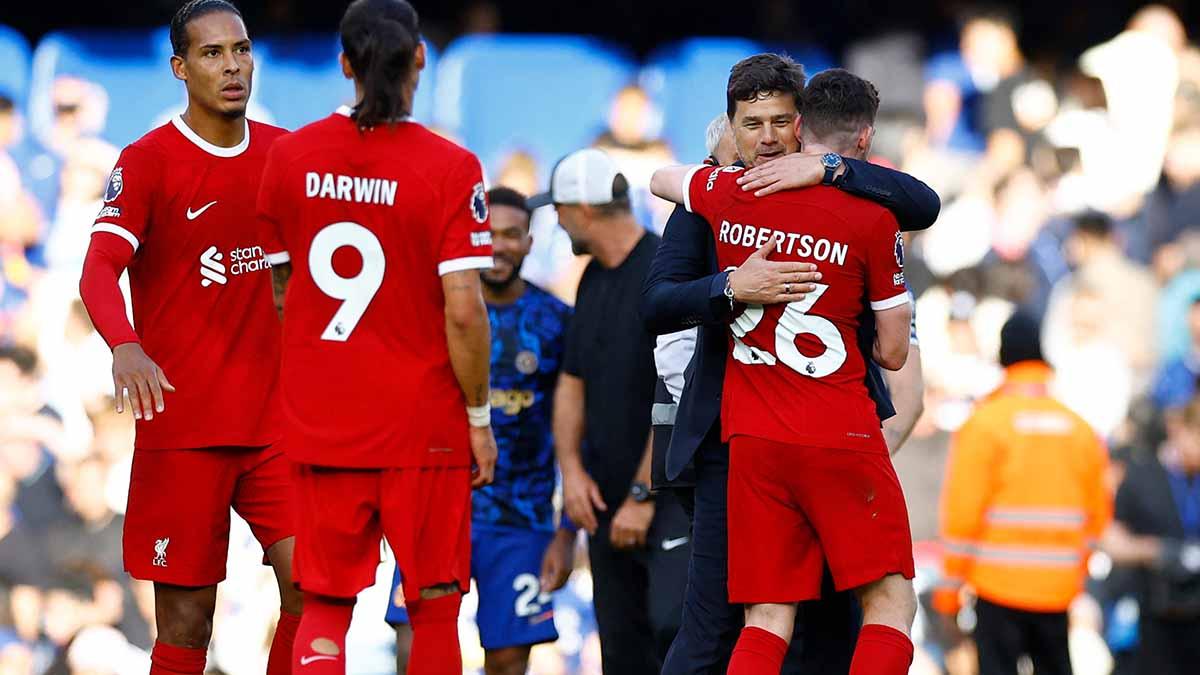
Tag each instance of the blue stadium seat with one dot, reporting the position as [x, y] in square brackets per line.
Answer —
[287, 65]
[14, 54]
[546, 94]
[133, 67]
[687, 80]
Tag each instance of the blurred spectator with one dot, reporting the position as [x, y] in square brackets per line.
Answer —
[79, 110]
[84, 178]
[1023, 497]
[1175, 383]
[1157, 531]
[982, 99]
[1095, 378]
[100, 650]
[39, 167]
[29, 430]
[1140, 72]
[1119, 285]
[22, 569]
[85, 551]
[634, 141]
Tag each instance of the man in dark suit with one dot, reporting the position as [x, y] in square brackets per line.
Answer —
[684, 288]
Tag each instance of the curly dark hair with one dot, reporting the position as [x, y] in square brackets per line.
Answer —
[761, 74]
[838, 101]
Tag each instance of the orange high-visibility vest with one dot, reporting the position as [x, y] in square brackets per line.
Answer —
[1025, 497]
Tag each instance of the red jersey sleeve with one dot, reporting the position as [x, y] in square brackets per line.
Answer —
[271, 210]
[467, 238]
[707, 189]
[885, 263]
[127, 196]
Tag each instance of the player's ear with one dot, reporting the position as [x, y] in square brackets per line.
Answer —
[419, 56]
[799, 124]
[178, 67]
[347, 71]
[865, 135]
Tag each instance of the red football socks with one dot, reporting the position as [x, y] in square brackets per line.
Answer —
[758, 652]
[435, 648]
[171, 660]
[279, 661]
[881, 650]
[320, 642]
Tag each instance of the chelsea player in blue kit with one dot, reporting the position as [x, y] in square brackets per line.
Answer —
[518, 557]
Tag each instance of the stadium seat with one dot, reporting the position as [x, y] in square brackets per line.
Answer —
[545, 94]
[133, 68]
[14, 54]
[308, 63]
[687, 80]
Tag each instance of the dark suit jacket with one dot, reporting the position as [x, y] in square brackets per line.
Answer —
[684, 289]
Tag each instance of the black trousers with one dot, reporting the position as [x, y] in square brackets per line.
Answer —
[1167, 647]
[1003, 635]
[826, 629]
[638, 595]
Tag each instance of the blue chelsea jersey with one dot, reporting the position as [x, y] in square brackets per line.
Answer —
[527, 350]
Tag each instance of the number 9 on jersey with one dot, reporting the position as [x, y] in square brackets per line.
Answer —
[355, 292]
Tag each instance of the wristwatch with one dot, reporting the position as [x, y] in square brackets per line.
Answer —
[729, 292]
[640, 492]
[831, 161]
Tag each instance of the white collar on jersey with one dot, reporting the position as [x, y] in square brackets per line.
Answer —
[209, 147]
[347, 111]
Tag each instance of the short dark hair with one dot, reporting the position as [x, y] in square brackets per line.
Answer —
[380, 39]
[506, 196]
[838, 101]
[194, 9]
[25, 358]
[1093, 224]
[990, 13]
[762, 74]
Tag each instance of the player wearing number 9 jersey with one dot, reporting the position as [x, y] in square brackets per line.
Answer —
[810, 480]
[385, 346]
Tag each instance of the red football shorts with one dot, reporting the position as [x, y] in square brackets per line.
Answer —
[177, 519]
[793, 509]
[424, 512]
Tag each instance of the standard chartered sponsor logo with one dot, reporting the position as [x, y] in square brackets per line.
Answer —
[241, 261]
[211, 267]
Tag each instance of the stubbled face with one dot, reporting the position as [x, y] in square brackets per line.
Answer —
[574, 221]
[510, 244]
[218, 66]
[765, 128]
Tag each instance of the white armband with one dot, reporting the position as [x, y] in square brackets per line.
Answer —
[480, 415]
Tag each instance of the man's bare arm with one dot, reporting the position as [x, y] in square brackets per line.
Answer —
[469, 339]
[907, 389]
[890, 350]
[667, 182]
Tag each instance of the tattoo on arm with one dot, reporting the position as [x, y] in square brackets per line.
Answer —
[281, 274]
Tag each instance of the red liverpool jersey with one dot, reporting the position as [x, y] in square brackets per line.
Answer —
[200, 283]
[371, 221]
[795, 372]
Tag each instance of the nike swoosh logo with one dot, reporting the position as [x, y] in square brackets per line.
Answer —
[305, 660]
[192, 215]
[672, 544]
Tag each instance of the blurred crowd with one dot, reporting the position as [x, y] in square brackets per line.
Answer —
[1071, 190]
